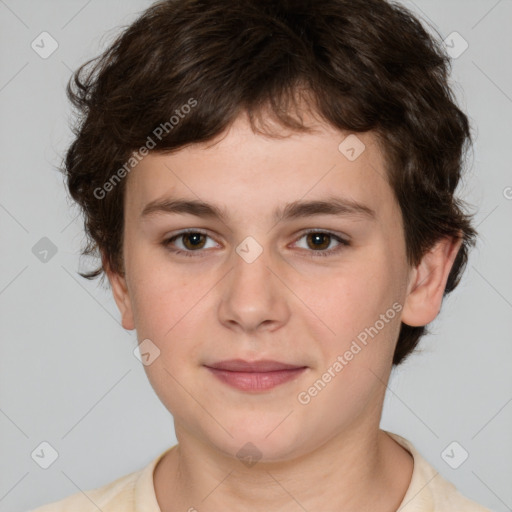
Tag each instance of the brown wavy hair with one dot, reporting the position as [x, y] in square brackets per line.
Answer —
[363, 64]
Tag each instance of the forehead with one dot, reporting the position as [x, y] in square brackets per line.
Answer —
[247, 171]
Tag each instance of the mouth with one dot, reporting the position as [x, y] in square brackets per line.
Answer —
[254, 375]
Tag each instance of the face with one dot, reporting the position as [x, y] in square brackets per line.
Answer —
[271, 279]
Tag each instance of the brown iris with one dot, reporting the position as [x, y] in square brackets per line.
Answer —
[197, 240]
[318, 237]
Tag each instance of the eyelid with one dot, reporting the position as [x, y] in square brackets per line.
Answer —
[342, 240]
[167, 242]
[333, 234]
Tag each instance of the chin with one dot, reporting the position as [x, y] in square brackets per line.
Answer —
[263, 440]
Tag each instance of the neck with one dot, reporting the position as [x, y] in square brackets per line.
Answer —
[369, 470]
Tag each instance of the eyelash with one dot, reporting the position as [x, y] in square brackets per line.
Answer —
[343, 243]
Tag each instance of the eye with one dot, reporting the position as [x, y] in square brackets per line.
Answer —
[318, 241]
[191, 241]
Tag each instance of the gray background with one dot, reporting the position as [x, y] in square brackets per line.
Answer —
[67, 371]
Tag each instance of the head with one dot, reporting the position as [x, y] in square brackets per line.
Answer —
[253, 106]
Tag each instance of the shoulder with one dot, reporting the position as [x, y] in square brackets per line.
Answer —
[119, 493]
[429, 491]
[447, 498]
[126, 494]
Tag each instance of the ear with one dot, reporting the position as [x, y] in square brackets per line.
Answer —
[121, 295]
[428, 282]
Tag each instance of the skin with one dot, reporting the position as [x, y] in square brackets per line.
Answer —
[288, 305]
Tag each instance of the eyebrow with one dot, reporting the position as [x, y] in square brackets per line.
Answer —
[295, 210]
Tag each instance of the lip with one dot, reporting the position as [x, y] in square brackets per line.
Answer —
[254, 375]
[261, 366]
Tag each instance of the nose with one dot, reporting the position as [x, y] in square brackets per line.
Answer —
[253, 295]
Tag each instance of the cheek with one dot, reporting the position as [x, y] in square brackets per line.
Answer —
[351, 301]
[168, 311]
[172, 310]
[159, 295]
[154, 295]
[163, 308]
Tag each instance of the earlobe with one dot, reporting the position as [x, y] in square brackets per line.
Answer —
[121, 296]
[428, 282]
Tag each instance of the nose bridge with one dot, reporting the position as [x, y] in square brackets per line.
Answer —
[252, 294]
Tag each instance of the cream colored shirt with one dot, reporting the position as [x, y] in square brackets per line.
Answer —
[135, 492]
